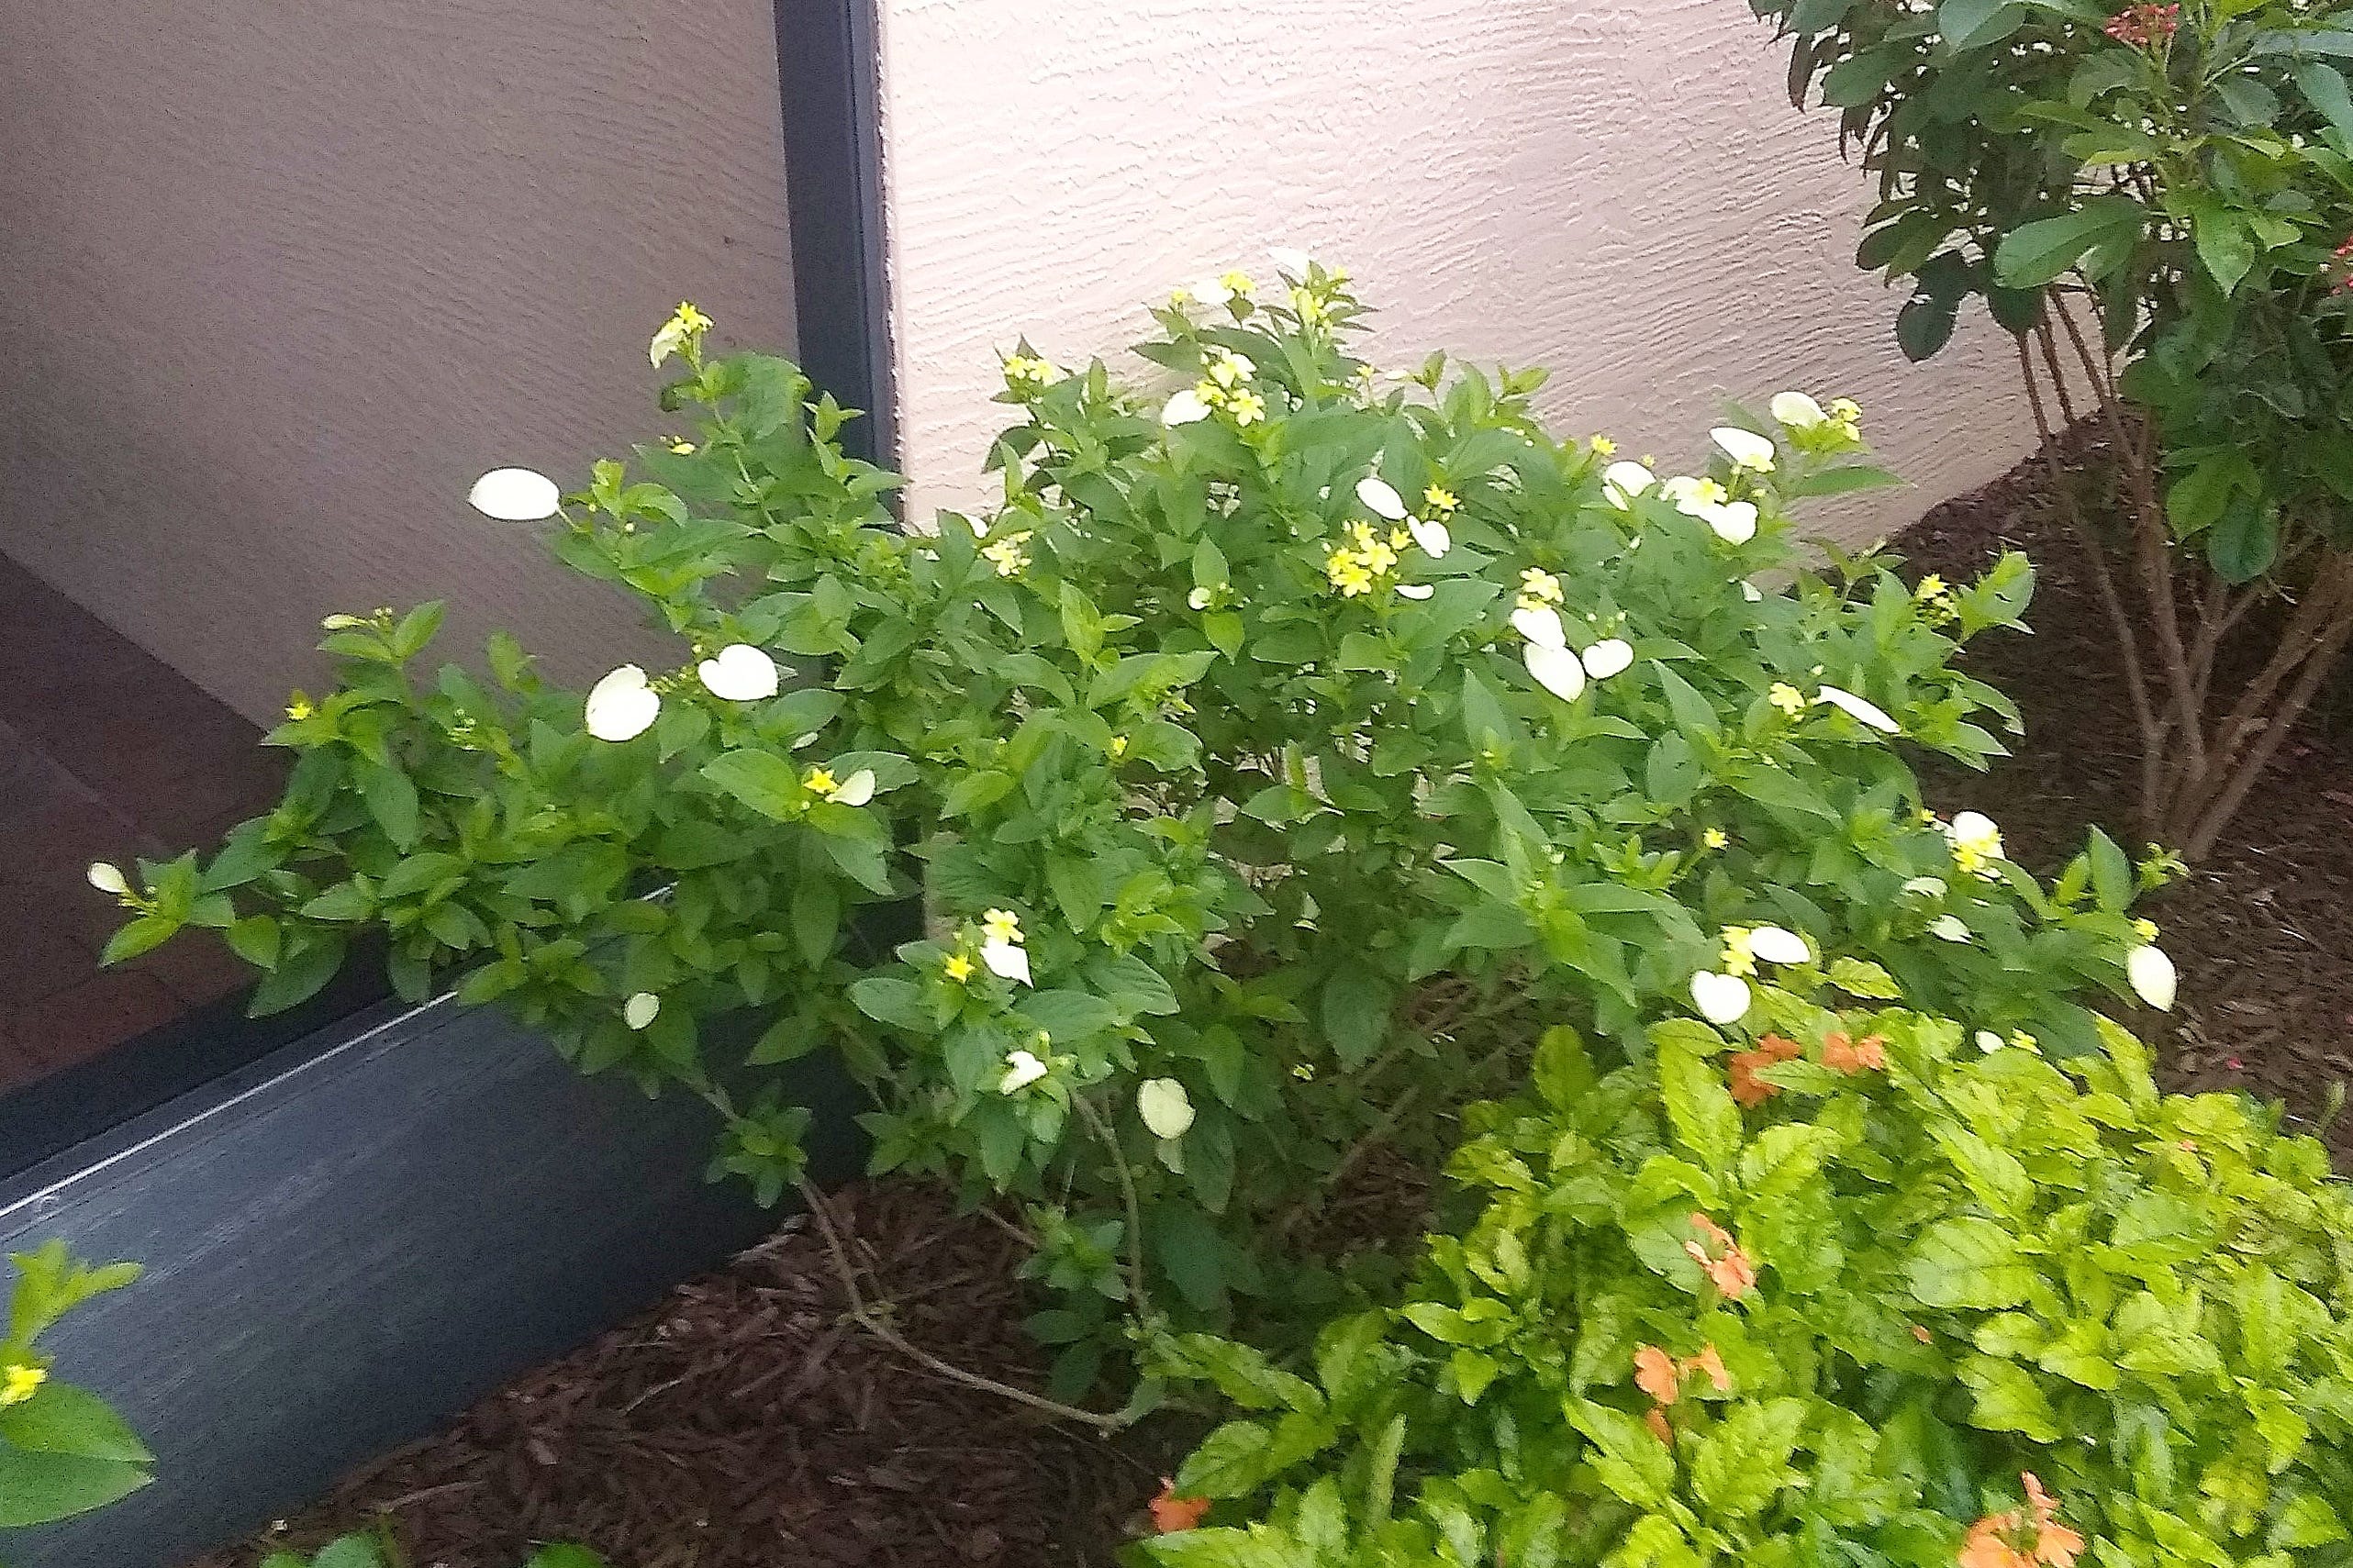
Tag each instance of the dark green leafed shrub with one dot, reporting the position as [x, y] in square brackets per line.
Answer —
[1269, 705]
[1917, 1303]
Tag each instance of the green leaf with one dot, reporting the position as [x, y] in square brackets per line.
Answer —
[1925, 324]
[1973, 24]
[1356, 1006]
[37, 1488]
[1706, 1120]
[2008, 1399]
[307, 959]
[142, 935]
[1632, 1463]
[2324, 88]
[564, 1555]
[1744, 1463]
[2037, 254]
[2244, 542]
[887, 1000]
[1969, 1262]
[761, 780]
[391, 798]
[61, 1419]
[2223, 241]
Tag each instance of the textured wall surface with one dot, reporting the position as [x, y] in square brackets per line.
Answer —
[278, 278]
[1619, 191]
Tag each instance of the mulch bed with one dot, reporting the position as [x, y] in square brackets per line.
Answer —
[744, 1424]
[2262, 932]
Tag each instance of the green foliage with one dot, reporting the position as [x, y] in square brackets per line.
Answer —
[1212, 766]
[379, 1551]
[1967, 1267]
[62, 1449]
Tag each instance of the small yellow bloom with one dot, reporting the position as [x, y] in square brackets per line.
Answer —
[1440, 501]
[1738, 958]
[682, 446]
[958, 968]
[820, 781]
[1025, 373]
[300, 708]
[1238, 283]
[1787, 698]
[1715, 838]
[1603, 446]
[2146, 929]
[1930, 587]
[1538, 586]
[1119, 746]
[1348, 573]
[1001, 926]
[1247, 406]
[683, 331]
[1007, 554]
[19, 1382]
[2022, 1039]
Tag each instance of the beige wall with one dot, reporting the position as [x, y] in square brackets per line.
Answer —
[279, 277]
[1620, 192]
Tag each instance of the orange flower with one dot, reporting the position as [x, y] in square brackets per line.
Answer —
[1656, 1420]
[1988, 1545]
[1710, 1362]
[1746, 1086]
[1655, 1374]
[2015, 1539]
[1844, 1055]
[1171, 1513]
[2056, 1546]
[1720, 1258]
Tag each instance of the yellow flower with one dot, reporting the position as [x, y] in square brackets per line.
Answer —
[1001, 926]
[1787, 698]
[1930, 587]
[1976, 843]
[683, 331]
[1715, 838]
[300, 708]
[1024, 373]
[1348, 573]
[820, 781]
[2146, 929]
[1119, 746]
[1007, 554]
[19, 1383]
[1538, 586]
[958, 968]
[1738, 957]
[1237, 282]
[1247, 406]
[1603, 446]
[1230, 369]
[1440, 501]
[1845, 411]
[682, 446]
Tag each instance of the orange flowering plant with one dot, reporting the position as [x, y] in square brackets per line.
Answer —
[1917, 1303]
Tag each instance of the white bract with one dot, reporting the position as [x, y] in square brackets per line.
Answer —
[740, 672]
[1989, 1041]
[107, 878]
[1555, 669]
[640, 1009]
[1210, 292]
[1540, 624]
[1430, 535]
[1166, 1109]
[855, 790]
[1290, 261]
[1381, 499]
[1861, 709]
[1622, 482]
[1609, 657]
[1750, 591]
[1796, 411]
[1415, 590]
[1775, 945]
[621, 706]
[1745, 448]
[1007, 960]
[1734, 522]
[515, 495]
[1021, 1069]
[2153, 977]
[1185, 408]
[1926, 887]
[1720, 999]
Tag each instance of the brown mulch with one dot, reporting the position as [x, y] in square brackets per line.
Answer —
[2262, 932]
[743, 1424]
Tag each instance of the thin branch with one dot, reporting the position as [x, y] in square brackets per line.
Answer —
[1111, 1139]
[866, 1317]
[2280, 722]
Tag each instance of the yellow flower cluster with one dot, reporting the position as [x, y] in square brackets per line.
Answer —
[683, 331]
[1353, 567]
[1738, 958]
[19, 1383]
[1225, 387]
[1538, 589]
[1024, 373]
[1787, 698]
[1441, 502]
[1848, 415]
[1007, 554]
[1604, 447]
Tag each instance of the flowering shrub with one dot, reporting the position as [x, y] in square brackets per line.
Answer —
[1268, 747]
[62, 1451]
[2157, 204]
[1918, 1304]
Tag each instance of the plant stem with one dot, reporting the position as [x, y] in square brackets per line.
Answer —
[1102, 1130]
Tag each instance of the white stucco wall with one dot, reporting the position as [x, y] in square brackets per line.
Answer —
[1619, 191]
[279, 277]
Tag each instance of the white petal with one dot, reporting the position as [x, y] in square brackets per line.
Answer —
[1381, 498]
[1863, 710]
[1775, 945]
[1415, 590]
[857, 789]
[1540, 624]
[1720, 999]
[1745, 448]
[1609, 657]
[2153, 976]
[1750, 591]
[640, 1009]
[1166, 1109]
[740, 673]
[1210, 292]
[1021, 1069]
[1198, 599]
[514, 495]
[621, 706]
[1948, 929]
[1688, 494]
[1734, 522]
[1796, 411]
[1185, 408]
[1290, 261]
[1622, 482]
[1989, 1041]
[1974, 825]
[1007, 960]
[1430, 535]
[1555, 669]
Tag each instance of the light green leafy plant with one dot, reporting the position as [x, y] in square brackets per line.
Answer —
[1250, 800]
[2157, 203]
[1914, 1303]
[62, 1449]
[380, 1551]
